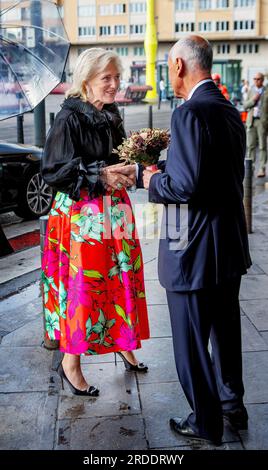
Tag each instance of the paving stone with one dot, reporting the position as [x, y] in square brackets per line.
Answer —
[160, 360]
[111, 433]
[25, 261]
[256, 437]
[159, 321]
[264, 267]
[251, 338]
[150, 270]
[162, 403]
[27, 422]
[155, 293]
[18, 310]
[255, 269]
[259, 256]
[256, 311]
[254, 287]
[118, 394]
[100, 359]
[258, 241]
[255, 377]
[30, 334]
[264, 335]
[25, 369]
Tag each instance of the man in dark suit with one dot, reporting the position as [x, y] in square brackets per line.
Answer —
[203, 175]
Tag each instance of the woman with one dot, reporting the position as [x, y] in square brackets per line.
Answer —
[92, 275]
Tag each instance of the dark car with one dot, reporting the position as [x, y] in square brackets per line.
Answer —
[22, 189]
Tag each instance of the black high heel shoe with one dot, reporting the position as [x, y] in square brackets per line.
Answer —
[89, 392]
[130, 367]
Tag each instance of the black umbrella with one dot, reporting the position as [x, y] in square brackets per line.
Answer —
[33, 51]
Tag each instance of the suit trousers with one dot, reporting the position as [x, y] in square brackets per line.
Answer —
[257, 134]
[211, 382]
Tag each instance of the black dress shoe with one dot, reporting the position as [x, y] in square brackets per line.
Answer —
[238, 417]
[131, 367]
[180, 426]
[91, 391]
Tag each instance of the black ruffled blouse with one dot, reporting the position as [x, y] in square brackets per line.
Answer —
[79, 144]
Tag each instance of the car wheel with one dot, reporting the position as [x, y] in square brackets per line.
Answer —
[35, 198]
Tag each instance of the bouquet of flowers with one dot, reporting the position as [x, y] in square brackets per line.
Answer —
[143, 146]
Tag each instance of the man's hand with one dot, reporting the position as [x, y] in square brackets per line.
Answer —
[126, 170]
[112, 179]
[257, 97]
[147, 175]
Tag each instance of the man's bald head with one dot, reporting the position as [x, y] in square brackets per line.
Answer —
[195, 51]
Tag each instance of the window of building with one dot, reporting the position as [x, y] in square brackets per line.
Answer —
[105, 30]
[184, 5]
[123, 51]
[222, 4]
[184, 27]
[120, 29]
[25, 13]
[119, 9]
[112, 9]
[244, 3]
[205, 4]
[244, 25]
[86, 31]
[139, 51]
[138, 7]
[137, 28]
[222, 25]
[86, 10]
[223, 48]
[205, 26]
[247, 48]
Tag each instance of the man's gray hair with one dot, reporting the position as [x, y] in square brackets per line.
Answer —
[195, 51]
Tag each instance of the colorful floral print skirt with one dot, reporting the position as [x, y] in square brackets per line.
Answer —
[92, 275]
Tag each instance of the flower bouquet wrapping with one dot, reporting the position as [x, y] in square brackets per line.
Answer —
[144, 147]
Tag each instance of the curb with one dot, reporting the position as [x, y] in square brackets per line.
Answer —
[14, 286]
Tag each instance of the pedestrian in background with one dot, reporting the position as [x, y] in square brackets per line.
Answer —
[223, 88]
[162, 89]
[93, 285]
[256, 104]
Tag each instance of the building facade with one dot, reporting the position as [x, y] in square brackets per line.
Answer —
[237, 29]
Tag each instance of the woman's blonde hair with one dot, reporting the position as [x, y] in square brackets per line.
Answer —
[90, 63]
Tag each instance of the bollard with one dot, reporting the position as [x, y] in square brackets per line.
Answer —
[150, 116]
[248, 193]
[20, 133]
[48, 343]
[51, 119]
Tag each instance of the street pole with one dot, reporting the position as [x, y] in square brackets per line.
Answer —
[39, 111]
[150, 45]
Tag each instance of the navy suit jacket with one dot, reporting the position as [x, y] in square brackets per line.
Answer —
[203, 175]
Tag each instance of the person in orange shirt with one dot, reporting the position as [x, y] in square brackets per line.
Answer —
[217, 80]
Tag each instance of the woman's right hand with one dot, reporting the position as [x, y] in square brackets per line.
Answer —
[115, 180]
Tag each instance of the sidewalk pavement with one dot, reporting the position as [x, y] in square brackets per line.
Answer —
[132, 411]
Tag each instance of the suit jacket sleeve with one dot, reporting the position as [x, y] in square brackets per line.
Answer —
[250, 102]
[178, 184]
[161, 165]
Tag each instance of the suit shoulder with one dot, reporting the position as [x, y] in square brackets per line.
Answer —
[185, 109]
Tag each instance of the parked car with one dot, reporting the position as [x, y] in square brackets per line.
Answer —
[22, 189]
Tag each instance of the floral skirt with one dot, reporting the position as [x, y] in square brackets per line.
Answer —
[92, 275]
